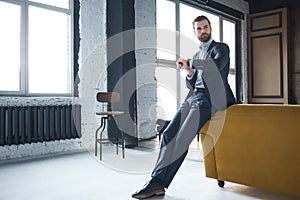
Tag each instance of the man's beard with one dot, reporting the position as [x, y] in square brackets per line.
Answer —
[205, 37]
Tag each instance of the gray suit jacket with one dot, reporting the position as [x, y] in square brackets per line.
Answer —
[215, 73]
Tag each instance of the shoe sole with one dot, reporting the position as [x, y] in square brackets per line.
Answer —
[150, 194]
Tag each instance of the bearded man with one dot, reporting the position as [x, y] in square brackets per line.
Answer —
[209, 92]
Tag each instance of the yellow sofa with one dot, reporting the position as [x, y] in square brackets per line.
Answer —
[256, 145]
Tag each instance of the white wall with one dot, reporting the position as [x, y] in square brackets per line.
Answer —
[145, 61]
[92, 64]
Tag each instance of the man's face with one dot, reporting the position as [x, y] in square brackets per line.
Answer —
[202, 30]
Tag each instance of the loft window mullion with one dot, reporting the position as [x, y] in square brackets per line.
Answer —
[178, 53]
[72, 78]
[221, 28]
[24, 66]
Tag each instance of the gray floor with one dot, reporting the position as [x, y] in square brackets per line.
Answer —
[81, 176]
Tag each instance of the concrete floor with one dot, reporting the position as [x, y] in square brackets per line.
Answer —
[81, 176]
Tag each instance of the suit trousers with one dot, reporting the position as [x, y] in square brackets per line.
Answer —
[187, 122]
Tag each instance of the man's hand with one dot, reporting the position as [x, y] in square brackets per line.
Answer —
[184, 64]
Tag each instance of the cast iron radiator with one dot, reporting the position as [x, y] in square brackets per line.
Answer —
[28, 124]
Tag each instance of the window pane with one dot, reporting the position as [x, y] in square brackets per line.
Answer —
[10, 16]
[49, 58]
[229, 38]
[166, 92]
[166, 30]
[187, 16]
[57, 3]
[231, 81]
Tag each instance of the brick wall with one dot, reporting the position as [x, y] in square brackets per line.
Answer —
[145, 61]
[92, 65]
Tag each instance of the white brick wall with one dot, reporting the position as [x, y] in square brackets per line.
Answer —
[92, 69]
[145, 61]
[39, 148]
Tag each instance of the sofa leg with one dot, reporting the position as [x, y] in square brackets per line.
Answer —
[221, 183]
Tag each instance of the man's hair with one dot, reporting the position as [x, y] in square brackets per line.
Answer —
[200, 18]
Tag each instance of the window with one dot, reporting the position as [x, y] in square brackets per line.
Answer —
[36, 47]
[166, 51]
[174, 17]
[229, 38]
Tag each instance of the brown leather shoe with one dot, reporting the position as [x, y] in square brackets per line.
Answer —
[152, 188]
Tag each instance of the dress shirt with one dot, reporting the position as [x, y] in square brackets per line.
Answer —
[201, 55]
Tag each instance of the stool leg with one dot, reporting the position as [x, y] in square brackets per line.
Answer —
[123, 149]
[96, 136]
[104, 124]
[117, 148]
[123, 144]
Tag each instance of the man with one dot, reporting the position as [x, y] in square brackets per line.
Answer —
[209, 92]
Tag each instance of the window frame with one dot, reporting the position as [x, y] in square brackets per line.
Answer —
[24, 26]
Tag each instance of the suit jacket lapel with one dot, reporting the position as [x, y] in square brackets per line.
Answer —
[212, 44]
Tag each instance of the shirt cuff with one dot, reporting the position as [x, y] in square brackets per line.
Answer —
[190, 77]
